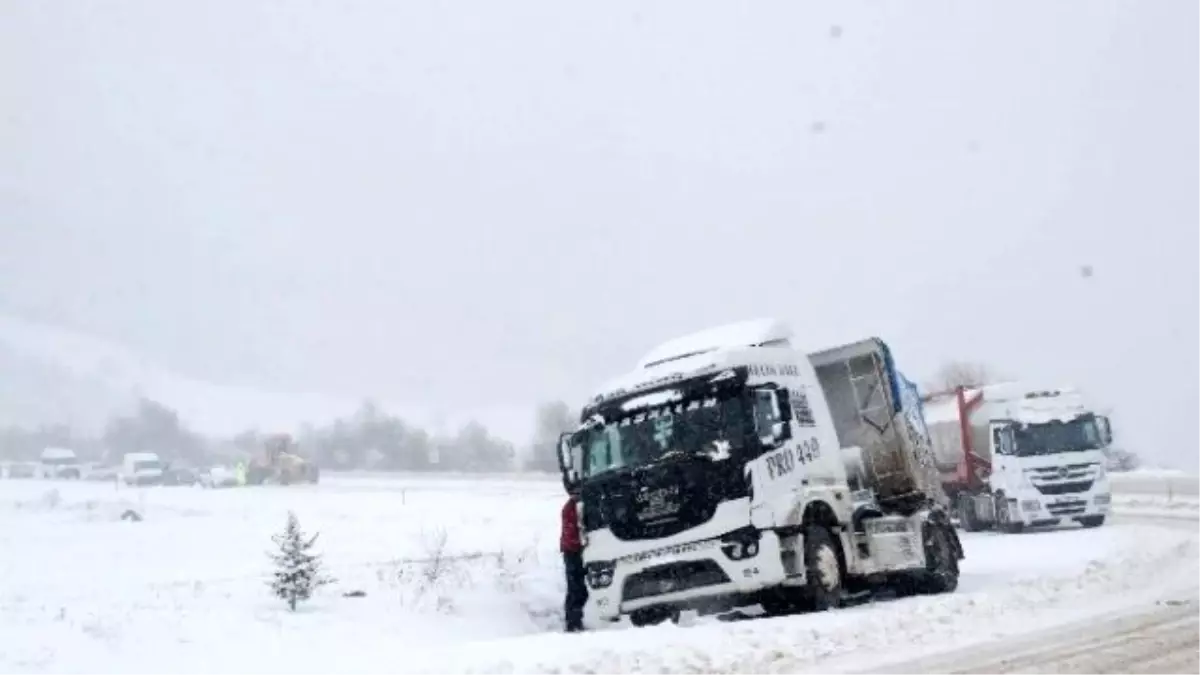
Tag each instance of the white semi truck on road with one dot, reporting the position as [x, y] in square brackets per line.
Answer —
[1014, 456]
[729, 469]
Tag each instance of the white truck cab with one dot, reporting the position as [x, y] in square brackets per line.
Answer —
[59, 463]
[141, 468]
[729, 469]
[1036, 456]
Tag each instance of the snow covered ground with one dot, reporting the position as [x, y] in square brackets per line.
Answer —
[450, 563]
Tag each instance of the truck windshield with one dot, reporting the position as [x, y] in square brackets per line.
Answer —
[1076, 435]
[712, 427]
[147, 465]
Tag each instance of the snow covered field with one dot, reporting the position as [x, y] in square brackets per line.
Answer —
[449, 563]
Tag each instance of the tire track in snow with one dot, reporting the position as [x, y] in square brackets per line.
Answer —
[1163, 640]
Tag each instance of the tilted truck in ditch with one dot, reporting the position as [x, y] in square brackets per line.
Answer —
[729, 469]
[1014, 456]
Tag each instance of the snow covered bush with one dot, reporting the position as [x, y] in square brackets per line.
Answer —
[298, 572]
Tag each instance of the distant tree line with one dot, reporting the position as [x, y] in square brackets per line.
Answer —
[371, 438]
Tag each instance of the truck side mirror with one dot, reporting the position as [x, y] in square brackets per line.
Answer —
[1105, 428]
[569, 460]
[772, 416]
[1006, 440]
[784, 400]
[1002, 438]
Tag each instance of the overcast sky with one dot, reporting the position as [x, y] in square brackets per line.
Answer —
[474, 203]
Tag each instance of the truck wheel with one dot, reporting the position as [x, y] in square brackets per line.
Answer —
[1092, 521]
[652, 616]
[822, 569]
[941, 563]
[782, 601]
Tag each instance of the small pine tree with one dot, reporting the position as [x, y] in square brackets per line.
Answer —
[298, 573]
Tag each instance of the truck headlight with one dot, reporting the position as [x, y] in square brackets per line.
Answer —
[600, 573]
[1102, 499]
[1031, 505]
[740, 544]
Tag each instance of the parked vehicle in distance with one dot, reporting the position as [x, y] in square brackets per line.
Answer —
[217, 477]
[102, 473]
[179, 475]
[60, 463]
[21, 470]
[1014, 455]
[141, 468]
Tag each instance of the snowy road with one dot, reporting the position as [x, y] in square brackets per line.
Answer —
[1154, 635]
[1163, 640]
[183, 591]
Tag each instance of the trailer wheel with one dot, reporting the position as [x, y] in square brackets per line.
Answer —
[941, 562]
[823, 569]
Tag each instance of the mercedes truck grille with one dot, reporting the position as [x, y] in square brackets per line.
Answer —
[1064, 488]
[673, 577]
[1071, 508]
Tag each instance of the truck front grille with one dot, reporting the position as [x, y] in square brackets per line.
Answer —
[1071, 487]
[673, 577]
[1062, 509]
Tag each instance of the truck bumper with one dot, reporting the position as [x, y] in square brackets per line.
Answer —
[1036, 509]
[698, 575]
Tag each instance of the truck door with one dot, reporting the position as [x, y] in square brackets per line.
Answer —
[1004, 466]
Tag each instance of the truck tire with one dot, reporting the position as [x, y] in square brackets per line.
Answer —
[652, 616]
[783, 601]
[822, 569]
[1092, 521]
[941, 562]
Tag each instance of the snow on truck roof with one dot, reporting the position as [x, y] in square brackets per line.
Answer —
[750, 333]
[696, 353]
[58, 453]
[712, 349]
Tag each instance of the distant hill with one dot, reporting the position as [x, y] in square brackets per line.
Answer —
[52, 375]
[34, 392]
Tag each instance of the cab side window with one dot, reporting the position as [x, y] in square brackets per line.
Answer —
[766, 412]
